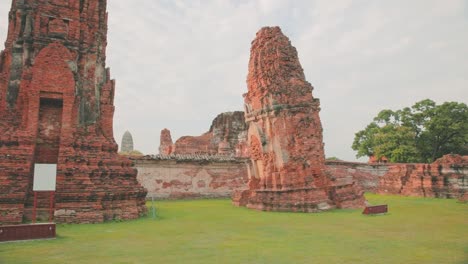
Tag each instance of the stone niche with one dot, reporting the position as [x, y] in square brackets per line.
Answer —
[56, 107]
[287, 170]
[58, 27]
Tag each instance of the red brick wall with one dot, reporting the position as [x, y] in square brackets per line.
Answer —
[171, 179]
[439, 179]
[179, 179]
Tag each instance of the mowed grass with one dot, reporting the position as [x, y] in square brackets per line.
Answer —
[416, 230]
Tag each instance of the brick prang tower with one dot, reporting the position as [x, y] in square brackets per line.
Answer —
[56, 106]
[287, 170]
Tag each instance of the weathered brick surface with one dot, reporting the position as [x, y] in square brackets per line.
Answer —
[195, 176]
[366, 175]
[285, 135]
[56, 105]
[166, 146]
[445, 178]
[183, 176]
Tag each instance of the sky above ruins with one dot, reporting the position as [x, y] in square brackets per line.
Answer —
[180, 63]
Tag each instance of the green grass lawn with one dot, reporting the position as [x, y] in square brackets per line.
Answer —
[415, 230]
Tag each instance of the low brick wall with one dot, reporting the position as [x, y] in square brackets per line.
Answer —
[366, 175]
[179, 177]
[199, 176]
[439, 179]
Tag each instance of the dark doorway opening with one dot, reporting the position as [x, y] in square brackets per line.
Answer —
[49, 128]
[46, 152]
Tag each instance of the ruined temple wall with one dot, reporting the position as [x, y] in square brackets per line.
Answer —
[423, 180]
[366, 175]
[176, 178]
[180, 179]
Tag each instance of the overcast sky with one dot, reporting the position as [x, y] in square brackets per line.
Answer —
[180, 63]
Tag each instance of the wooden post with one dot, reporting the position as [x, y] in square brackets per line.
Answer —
[34, 208]
[51, 206]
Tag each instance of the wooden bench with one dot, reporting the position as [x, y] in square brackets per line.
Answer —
[376, 209]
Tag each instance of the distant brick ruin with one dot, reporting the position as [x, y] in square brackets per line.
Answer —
[56, 106]
[287, 170]
[226, 136]
[166, 146]
[127, 142]
[447, 177]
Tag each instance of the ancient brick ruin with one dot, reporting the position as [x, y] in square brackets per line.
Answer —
[205, 176]
[285, 135]
[127, 142]
[226, 136]
[447, 177]
[56, 106]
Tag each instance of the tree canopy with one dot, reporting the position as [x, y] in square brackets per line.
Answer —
[421, 133]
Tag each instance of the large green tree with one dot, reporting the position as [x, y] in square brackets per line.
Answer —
[421, 133]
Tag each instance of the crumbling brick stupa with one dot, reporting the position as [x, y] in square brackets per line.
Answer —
[287, 171]
[166, 146]
[56, 106]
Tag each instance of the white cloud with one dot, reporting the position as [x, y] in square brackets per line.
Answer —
[180, 63]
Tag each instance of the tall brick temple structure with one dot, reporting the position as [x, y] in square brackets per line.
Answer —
[56, 106]
[287, 171]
